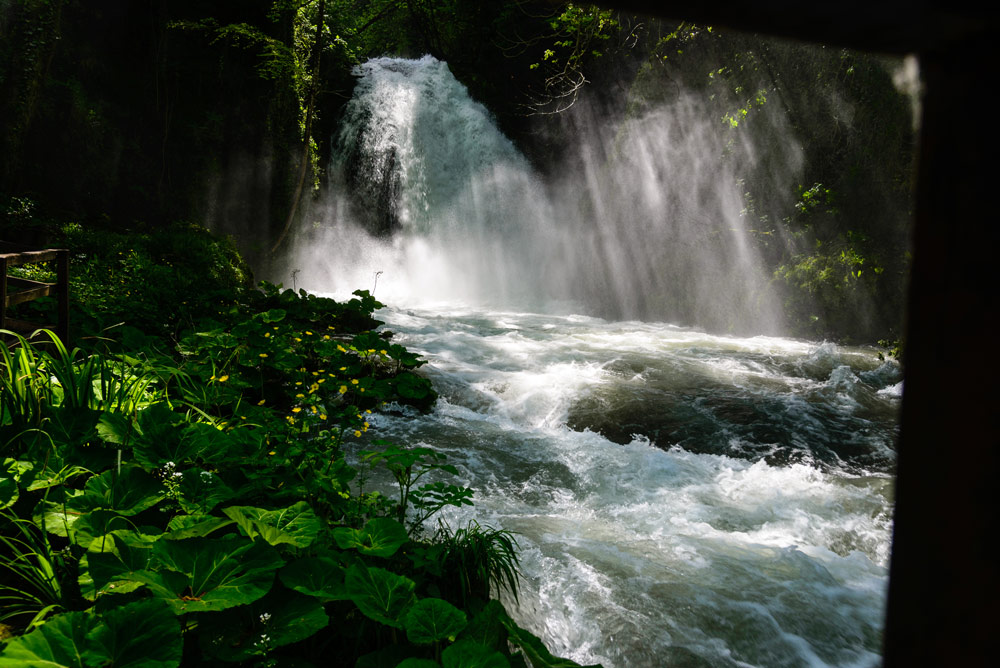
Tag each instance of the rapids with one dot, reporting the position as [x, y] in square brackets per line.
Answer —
[767, 546]
[680, 498]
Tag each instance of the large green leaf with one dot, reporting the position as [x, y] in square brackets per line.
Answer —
[209, 443]
[128, 493]
[143, 634]
[96, 523]
[159, 439]
[202, 574]
[320, 577]
[11, 472]
[194, 526]
[380, 594]
[487, 627]
[296, 525]
[113, 563]
[71, 426]
[274, 315]
[61, 642]
[380, 537]
[433, 619]
[49, 478]
[56, 516]
[114, 428]
[280, 618]
[469, 654]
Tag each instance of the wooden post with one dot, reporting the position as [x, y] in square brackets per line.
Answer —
[3, 292]
[62, 273]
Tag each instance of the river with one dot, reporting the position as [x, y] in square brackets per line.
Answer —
[744, 520]
[680, 498]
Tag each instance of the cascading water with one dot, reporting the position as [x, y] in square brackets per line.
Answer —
[680, 498]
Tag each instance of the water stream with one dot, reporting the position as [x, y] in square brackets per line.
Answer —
[680, 498]
[755, 533]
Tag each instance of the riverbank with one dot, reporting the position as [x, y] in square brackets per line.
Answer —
[174, 487]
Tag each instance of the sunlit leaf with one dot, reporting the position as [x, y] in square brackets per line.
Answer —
[380, 537]
[194, 526]
[296, 525]
[202, 574]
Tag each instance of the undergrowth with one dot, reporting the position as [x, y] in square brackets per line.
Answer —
[179, 495]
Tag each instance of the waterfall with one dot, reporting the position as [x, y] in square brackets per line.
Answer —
[645, 220]
[679, 497]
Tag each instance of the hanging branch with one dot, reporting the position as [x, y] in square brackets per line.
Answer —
[317, 50]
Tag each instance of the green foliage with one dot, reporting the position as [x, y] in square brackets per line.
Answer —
[142, 633]
[410, 465]
[31, 574]
[380, 537]
[206, 489]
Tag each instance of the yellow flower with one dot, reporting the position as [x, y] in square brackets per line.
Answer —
[308, 333]
[341, 348]
[357, 433]
[343, 389]
[296, 409]
[322, 416]
[272, 452]
[298, 339]
[260, 403]
[343, 368]
[263, 355]
[267, 335]
[300, 396]
[384, 352]
[321, 380]
[326, 337]
[354, 381]
[362, 389]
[298, 382]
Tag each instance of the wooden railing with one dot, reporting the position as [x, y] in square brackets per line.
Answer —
[15, 290]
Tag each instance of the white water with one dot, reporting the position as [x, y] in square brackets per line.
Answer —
[756, 554]
[643, 220]
[680, 498]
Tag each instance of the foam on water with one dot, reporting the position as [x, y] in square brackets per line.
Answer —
[638, 554]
